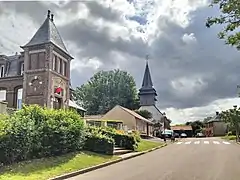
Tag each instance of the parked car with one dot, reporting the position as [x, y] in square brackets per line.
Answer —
[200, 135]
[183, 135]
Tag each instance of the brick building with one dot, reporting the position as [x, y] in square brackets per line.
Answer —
[41, 73]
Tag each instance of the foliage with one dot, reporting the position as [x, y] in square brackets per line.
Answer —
[232, 117]
[230, 18]
[196, 126]
[107, 89]
[128, 141]
[35, 132]
[144, 113]
[99, 143]
[46, 168]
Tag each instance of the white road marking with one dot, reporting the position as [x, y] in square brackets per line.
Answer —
[197, 142]
[216, 142]
[224, 142]
[179, 142]
[206, 142]
[189, 142]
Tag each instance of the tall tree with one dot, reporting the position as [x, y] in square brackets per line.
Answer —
[232, 116]
[144, 113]
[105, 90]
[230, 18]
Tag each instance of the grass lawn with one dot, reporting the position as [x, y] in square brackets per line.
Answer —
[229, 137]
[45, 168]
[147, 144]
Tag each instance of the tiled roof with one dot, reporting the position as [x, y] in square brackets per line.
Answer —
[181, 127]
[136, 115]
[47, 33]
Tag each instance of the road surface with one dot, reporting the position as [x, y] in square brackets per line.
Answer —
[188, 159]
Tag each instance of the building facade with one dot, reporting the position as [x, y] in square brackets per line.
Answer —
[216, 127]
[131, 120]
[41, 73]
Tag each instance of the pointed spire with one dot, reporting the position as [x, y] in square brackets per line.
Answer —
[147, 80]
[147, 93]
[47, 33]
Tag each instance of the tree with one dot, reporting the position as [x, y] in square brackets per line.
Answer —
[230, 18]
[196, 126]
[105, 90]
[232, 116]
[144, 113]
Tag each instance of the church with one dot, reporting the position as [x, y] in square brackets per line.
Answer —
[147, 95]
[41, 73]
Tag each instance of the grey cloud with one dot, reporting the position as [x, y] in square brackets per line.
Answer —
[97, 42]
[107, 13]
[33, 9]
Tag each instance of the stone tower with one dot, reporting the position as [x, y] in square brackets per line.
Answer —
[147, 93]
[46, 68]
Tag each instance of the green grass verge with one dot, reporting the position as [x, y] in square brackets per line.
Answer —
[229, 137]
[46, 168]
[145, 145]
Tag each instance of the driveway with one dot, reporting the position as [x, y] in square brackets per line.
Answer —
[187, 159]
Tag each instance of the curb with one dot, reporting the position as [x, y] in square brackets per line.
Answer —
[82, 171]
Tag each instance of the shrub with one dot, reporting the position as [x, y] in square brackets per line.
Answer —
[127, 141]
[99, 143]
[35, 132]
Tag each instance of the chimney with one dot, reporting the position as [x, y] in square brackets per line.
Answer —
[217, 113]
[48, 15]
[52, 17]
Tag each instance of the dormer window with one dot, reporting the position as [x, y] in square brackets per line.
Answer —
[22, 68]
[2, 71]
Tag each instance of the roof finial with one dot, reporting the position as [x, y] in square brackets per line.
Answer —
[49, 12]
[52, 17]
[147, 58]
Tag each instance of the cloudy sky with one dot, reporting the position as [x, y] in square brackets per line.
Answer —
[194, 73]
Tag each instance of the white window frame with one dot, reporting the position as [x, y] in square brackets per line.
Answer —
[22, 68]
[2, 71]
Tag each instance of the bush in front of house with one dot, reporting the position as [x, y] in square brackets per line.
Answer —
[99, 143]
[127, 141]
[35, 132]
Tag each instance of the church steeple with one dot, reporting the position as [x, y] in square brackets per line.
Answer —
[147, 93]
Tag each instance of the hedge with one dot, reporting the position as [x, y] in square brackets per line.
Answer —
[99, 143]
[128, 141]
[35, 132]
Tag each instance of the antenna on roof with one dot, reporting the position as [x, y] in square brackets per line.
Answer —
[49, 12]
[52, 17]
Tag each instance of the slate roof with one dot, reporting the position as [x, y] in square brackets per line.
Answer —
[147, 84]
[215, 118]
[47, 33]
[12, 67]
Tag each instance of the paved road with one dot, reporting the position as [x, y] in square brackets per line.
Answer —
[189, 159]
